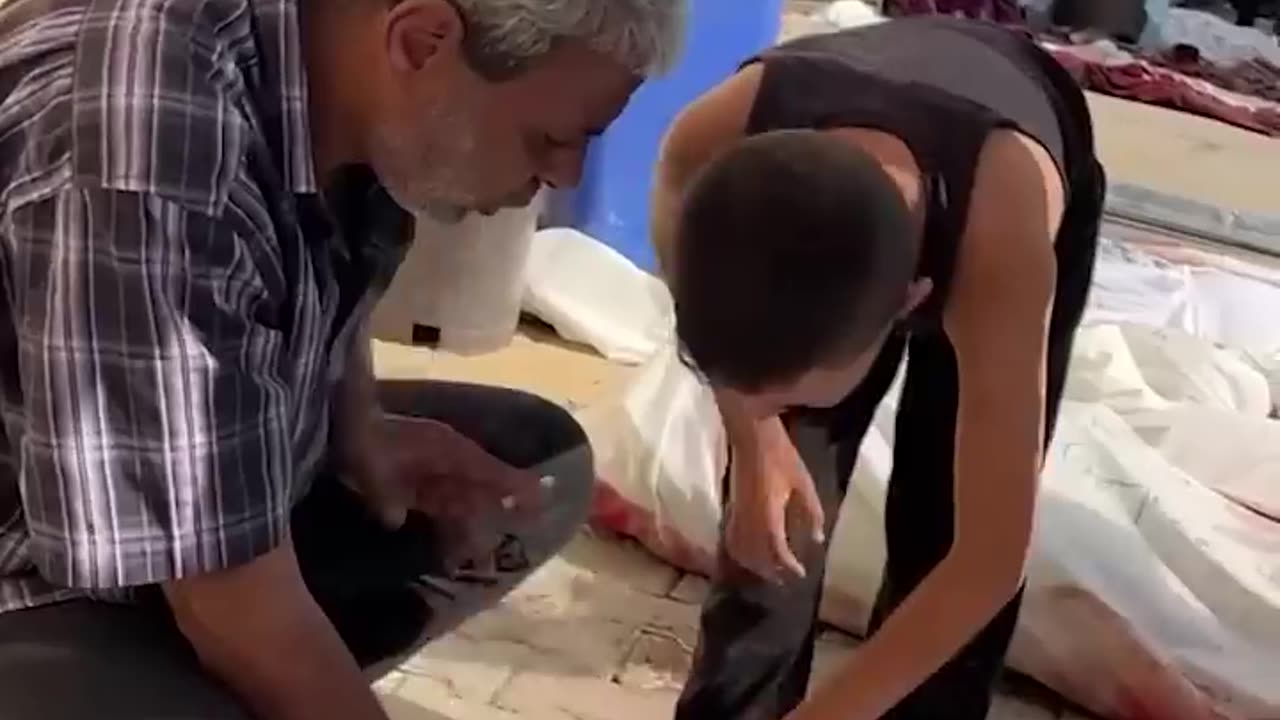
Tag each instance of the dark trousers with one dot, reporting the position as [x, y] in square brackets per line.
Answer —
[85, 659]
[757, 639]
[1246, 11]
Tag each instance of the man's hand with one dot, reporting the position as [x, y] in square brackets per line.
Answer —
[372, 469]
[257, 629]
[360, 429]
[768, 483]
[425, 466]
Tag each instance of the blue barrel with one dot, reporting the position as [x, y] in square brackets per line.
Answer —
[612, 203]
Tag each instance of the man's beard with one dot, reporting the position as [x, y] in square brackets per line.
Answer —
[429, 179]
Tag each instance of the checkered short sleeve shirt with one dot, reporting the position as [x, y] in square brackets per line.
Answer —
[175, 296]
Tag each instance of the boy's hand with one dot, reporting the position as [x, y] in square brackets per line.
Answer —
[767, 483]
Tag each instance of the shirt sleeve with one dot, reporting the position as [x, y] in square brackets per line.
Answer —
[156, 444]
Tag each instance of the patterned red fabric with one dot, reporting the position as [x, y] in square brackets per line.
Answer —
[1145, 82]
[999, 11]
[1256, 78]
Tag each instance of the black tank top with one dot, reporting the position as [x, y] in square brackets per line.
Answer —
[941, 85]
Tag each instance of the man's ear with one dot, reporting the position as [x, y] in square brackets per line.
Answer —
[418, 31]
[917, 292]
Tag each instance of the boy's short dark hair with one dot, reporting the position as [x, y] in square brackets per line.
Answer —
[794, 250]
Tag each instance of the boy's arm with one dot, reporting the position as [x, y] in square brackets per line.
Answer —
[699, 133]
[766, 470]
[997, 319]
[704, 129]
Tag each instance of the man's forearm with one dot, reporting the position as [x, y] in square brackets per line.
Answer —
[356, 411]
[298, 670]
[260, 632]
[360, 432]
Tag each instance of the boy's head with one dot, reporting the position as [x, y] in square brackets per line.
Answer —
[795, 256]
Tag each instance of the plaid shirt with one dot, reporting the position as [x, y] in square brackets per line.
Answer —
[177, 301]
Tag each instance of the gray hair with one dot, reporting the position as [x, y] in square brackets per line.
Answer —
[505, 36]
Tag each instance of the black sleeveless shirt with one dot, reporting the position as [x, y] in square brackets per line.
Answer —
[941, 85]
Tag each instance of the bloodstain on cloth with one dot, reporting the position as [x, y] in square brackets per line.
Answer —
[1146, 82]
[1255, 78]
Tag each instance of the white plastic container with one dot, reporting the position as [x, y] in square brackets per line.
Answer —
[465, 279]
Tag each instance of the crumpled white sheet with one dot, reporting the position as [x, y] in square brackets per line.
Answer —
[591, 294]
[1218, 301]
[851, 13]
[1153, 592]
[1149, 595]
[1217, 40]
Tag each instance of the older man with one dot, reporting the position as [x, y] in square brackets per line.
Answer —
[203, 511]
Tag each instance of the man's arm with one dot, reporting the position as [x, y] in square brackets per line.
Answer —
[257, 628]
[997, 320]
[360, 429]
[159, 446]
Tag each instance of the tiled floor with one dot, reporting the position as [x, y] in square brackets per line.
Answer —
[603, 632]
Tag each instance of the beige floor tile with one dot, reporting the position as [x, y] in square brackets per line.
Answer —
[587, 574]
[831, 651]
[536, 361]
[468, 668]
[427, 699]
[389, 683]
[657, 662]
[400, 709]
[1186, 155]
[624, 561]
[692, 589]
[1007, 707]
[568, 639]
[580, 698]
[584, 626]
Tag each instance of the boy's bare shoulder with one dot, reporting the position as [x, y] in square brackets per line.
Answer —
[708, 126]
